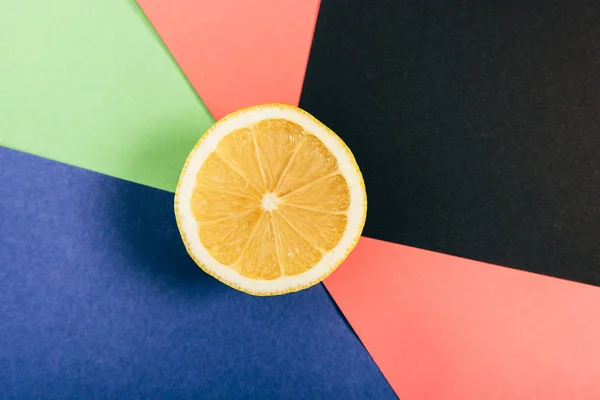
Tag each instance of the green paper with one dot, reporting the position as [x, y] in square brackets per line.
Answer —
[89, 83]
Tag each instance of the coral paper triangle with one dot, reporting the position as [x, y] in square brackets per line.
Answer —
[442, 327]
[238, 53]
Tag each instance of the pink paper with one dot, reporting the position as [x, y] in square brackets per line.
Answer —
[238, 53]
[441, 327]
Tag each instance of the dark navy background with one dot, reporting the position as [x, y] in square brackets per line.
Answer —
[100, 299]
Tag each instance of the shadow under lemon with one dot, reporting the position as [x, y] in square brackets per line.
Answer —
[144, 218]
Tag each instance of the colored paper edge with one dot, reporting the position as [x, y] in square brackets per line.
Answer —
[112, 101]
[444, 327]
[238, 53]
[101, 300]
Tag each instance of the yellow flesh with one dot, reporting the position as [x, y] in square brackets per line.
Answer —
[270, 201]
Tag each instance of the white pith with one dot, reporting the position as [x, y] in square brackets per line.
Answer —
[269, 202]
[347, 167]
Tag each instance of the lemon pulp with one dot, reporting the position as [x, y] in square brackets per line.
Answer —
[270, 201]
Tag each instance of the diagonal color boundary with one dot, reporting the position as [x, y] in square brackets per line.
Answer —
[238, 53]
[101, 300]
[102, 96]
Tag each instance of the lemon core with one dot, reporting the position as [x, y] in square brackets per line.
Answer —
[269, 202]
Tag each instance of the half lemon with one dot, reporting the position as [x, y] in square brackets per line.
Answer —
[270, 200]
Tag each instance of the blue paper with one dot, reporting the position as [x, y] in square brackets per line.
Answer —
[100, 300]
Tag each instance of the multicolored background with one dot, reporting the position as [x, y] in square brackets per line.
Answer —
[476, 126]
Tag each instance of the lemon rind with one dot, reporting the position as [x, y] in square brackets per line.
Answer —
[290, 289]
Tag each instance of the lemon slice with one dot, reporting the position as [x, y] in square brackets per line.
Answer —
[270, 200]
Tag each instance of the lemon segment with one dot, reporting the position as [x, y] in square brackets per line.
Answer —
[270, 200]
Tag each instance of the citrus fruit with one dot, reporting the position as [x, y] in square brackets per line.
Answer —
[270, 200]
